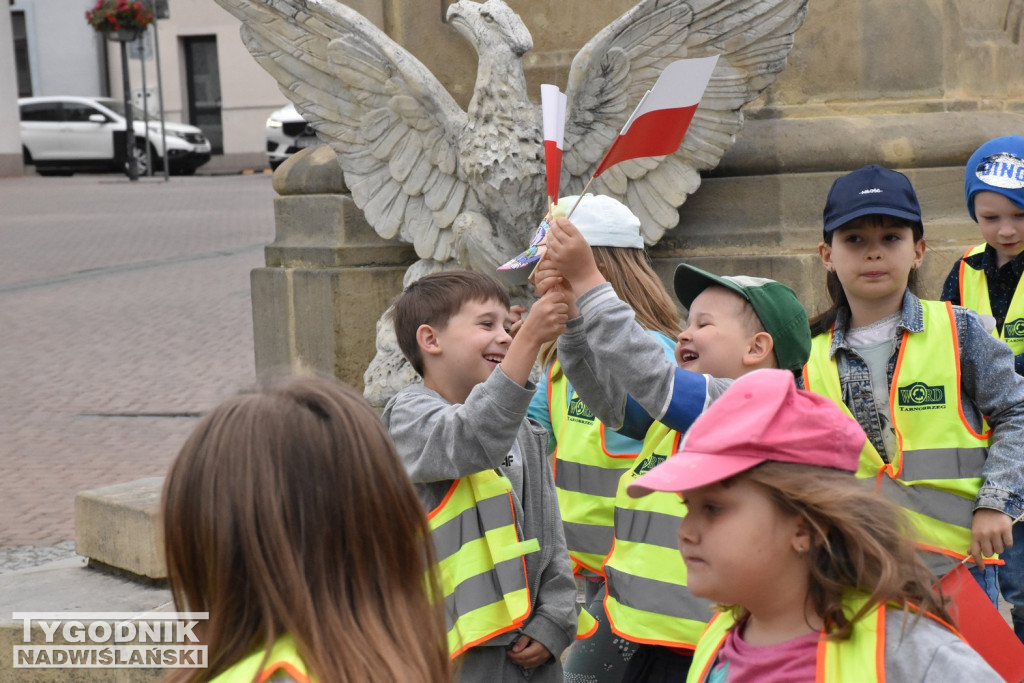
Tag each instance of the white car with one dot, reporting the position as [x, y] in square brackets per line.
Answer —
[61, 135]
[287, 133]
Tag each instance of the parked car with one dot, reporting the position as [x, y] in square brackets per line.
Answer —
[62, 135]
[287, 133]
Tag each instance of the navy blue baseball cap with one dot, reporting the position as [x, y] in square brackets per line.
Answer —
[871, 190]
[997, 166]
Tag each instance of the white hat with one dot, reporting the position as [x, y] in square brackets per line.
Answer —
[602, 220]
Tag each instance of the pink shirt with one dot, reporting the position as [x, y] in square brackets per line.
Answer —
[791, 661]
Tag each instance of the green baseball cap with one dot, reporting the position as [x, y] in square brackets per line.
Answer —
[776, 305]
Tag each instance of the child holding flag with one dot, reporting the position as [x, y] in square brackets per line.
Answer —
[735, 325]
[589, 459]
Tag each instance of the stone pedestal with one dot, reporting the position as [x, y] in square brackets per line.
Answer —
[328, 276]
[119, 526]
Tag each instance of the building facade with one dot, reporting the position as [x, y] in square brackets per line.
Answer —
[206, 75]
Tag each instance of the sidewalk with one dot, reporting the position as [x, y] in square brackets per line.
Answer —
[126, 315]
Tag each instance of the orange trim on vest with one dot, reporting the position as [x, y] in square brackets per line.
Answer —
[592, 631]
[880, 646]
[285, 666]
[451, 490]
[892, 407]
[718, 647]
[956, 353]
[819, 661]
[895, 473]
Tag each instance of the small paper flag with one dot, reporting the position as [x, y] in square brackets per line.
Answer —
[552, 103]
[658, 124]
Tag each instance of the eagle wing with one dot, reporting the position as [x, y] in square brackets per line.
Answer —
[611, 73]
[391, 122]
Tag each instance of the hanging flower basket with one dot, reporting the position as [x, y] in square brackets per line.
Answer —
[119, 19]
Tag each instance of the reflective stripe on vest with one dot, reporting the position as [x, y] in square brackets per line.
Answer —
[647, 600]
[586, 474]
[283, 657]
[480, 560]
[936, 474]
[861, 657]
[974, 295]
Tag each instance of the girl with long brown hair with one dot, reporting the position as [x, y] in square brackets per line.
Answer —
[289, 518]
[815, 572]
[935, 392]
[580, 442]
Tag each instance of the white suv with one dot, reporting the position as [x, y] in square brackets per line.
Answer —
[287, 133]
[61, 135]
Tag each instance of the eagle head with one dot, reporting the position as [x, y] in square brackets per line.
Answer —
[490, 25]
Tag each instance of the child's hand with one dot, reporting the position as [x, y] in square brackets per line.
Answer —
[991, 532]
[515, 319]
[547, 317]
[546, 321]
[571, 255]
[547, 278]
[528, 653]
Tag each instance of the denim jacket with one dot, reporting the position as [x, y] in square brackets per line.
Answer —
[989, 384]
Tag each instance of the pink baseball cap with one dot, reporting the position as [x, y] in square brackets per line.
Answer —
[761, 417]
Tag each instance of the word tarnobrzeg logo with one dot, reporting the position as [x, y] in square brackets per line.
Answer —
[578, 410]
[1013, 330]
[921, 396]
[109, 640]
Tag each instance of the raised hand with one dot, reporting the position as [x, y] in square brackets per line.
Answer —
[569, 253]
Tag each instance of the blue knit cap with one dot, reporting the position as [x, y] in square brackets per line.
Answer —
[996, 166]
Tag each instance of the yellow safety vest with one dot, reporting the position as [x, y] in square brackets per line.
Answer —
[480, 560]
[861, 657]
[647, 600]
[586, 475]
[936, 474]
[974, 295]
[283, 657]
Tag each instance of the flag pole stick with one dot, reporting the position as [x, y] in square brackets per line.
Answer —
[589, 183]
[550, 211]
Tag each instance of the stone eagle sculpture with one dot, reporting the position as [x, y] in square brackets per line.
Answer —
[467, 188]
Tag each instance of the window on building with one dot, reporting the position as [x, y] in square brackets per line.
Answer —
[21, 63]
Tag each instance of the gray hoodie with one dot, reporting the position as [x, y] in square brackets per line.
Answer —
[440, 442]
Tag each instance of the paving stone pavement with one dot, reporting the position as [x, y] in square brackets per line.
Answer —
[125, 313]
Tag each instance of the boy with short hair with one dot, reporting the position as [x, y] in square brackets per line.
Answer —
[481, 469]
[987, 279]
[735, 325]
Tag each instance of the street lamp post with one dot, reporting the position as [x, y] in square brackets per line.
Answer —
[125, 36]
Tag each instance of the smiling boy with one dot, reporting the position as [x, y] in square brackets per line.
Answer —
[481, 469]
[735, 325]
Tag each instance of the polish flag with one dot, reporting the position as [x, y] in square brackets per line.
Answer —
[552, 102]
[658, 124]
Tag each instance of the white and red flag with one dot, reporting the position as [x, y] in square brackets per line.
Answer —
[658, 124]
[552, 103]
